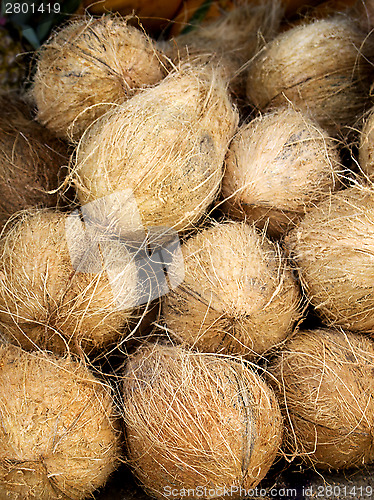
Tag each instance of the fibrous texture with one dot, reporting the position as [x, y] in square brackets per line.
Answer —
[59, 430]
[167, 144]
[333, 248]
[323, 68]
[197, 420]
[277, 166]
[48, 300]
[366, 151]
[229, 42]
[30, 160]
[88, 65]
[238, 295]
[326, 390]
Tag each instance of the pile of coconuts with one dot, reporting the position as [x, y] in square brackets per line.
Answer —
[187, 256]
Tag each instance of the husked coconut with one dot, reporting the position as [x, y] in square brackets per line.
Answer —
[167, 145]
[228, 42]
[52, 296]
[323, 67]
[326, 391]
[333, 249]
[277, 167]
[197, 420]
[31, 158]
[238, 296]
[87, 66]
[59, 430]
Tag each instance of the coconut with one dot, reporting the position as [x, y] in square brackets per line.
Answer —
[363, 12]
[56, 292]
[277, 166]
[238, 295]
[228, 42]
[197, 422]
[327, 392]
[323, 68]
[59, 429]
[30, 159]
[88, 65]
[167, 144]
[366, 149]
[333, 247]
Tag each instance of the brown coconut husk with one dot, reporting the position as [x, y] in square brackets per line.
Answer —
[333, 248]
[59, 428]
[323, 68]
[88, 65]
[366, 148]
[30, 160]
[197, 420]
[167, 144]
[46, 302]
[326, 391]
[229, 42]
[277, 167]
[363, 12]
[238, 295]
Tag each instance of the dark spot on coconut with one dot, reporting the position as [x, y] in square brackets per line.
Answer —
[349, 356]
[289, 146]
[204, 158]
[206, 143]
[73, 73]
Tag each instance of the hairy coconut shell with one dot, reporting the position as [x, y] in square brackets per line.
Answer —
[167, 144]
[238, 295]
[88, 65]
[333, 248]
[323, 68]
[277, 166]
[30, 159]
[366, 150]
[59, 432]
[363, 12]
[48, 303]
[197, 420]
[326, 389]
[230, 41]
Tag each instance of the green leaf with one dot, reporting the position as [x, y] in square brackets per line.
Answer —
[29, 34]
[197, 17]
